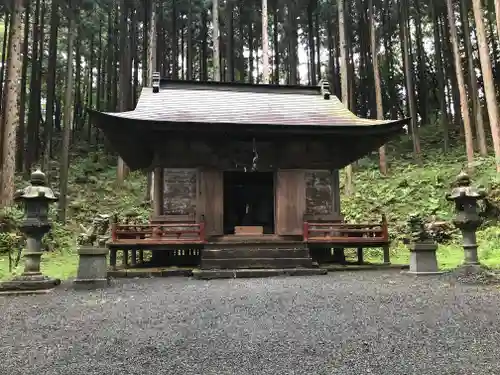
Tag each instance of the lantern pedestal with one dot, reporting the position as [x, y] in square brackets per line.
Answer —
[92, 268]
[28, 284]
[423, 259]
[31, 281]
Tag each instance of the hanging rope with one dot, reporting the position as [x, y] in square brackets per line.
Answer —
[255, 157]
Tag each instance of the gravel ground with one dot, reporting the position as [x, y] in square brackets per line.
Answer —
[343, 323]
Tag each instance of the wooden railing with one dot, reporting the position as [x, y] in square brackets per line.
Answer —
[175, 233]
[344, 233]
[323, 237]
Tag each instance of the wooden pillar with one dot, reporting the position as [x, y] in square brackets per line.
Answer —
[338, 253]
[158, 182]
[112, 259]
[336, 192]
[158, 191]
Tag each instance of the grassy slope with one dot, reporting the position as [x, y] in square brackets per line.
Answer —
[422, 189]
[408, 189]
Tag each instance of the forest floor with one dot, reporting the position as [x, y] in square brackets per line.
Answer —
[409, 188]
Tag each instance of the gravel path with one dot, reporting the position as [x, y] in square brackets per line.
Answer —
[344, 323]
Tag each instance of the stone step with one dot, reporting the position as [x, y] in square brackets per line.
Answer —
[256, 245]
[247, 273]
[238, 263]
[254, 253]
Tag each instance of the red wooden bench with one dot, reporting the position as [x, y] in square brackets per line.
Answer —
[163, 232]
[344, 235]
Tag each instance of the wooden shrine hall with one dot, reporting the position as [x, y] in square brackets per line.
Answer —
[245, 176]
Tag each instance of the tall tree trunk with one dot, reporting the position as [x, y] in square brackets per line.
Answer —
[477, 113]
[11, 119]
[51, 85]
[110, 63]
[68, 96]
[151, 66]
[204, 46]
[189, 50]
[5, 40]
[469, 145]
[451, 76]
[378, 86]
[21, 148]
[34, 99]
[497, 13]
[422, 79]
[410, 88]
[276, 35]
[438, 47]
[124, 79]
[153, 33]
[265, 43]
[216, 40]
[310, 44]
[344, 80]
[229, 53]
[489, 88]
[175, 42]
[292, 41]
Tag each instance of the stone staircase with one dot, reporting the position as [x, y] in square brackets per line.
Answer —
[254, 259]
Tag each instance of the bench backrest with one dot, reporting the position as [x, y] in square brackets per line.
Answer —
[327, 218]
[172, 219]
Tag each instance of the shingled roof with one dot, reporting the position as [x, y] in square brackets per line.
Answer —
[244, 104]
[211, 108]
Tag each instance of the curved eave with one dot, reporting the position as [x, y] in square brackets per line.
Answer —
[127, 141]
[341, 126]
[129, 136]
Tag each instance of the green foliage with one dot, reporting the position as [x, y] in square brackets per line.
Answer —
[414, 189]
[10, 238]
[93, 190]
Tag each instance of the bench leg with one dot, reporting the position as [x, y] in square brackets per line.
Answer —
[133, 260]
[360, 255]
[339, 255]
[387, 259]
[125, 258]
[112, 259]
[141, 256]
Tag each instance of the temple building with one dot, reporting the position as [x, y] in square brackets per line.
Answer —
[250, 163]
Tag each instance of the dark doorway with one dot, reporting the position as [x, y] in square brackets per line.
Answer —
[248, 200]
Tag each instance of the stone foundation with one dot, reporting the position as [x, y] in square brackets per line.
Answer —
[34, 283]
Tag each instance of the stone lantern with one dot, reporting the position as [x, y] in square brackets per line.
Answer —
[36, 199]
[467, 218]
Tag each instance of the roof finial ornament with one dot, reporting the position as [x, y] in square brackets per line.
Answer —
[325, 89]
[156, 82]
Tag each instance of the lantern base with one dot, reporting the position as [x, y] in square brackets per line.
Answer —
[28, 283]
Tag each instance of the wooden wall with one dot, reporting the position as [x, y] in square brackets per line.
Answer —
[179, 191]
[298, 192]
[235, 155]
[319, 192]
